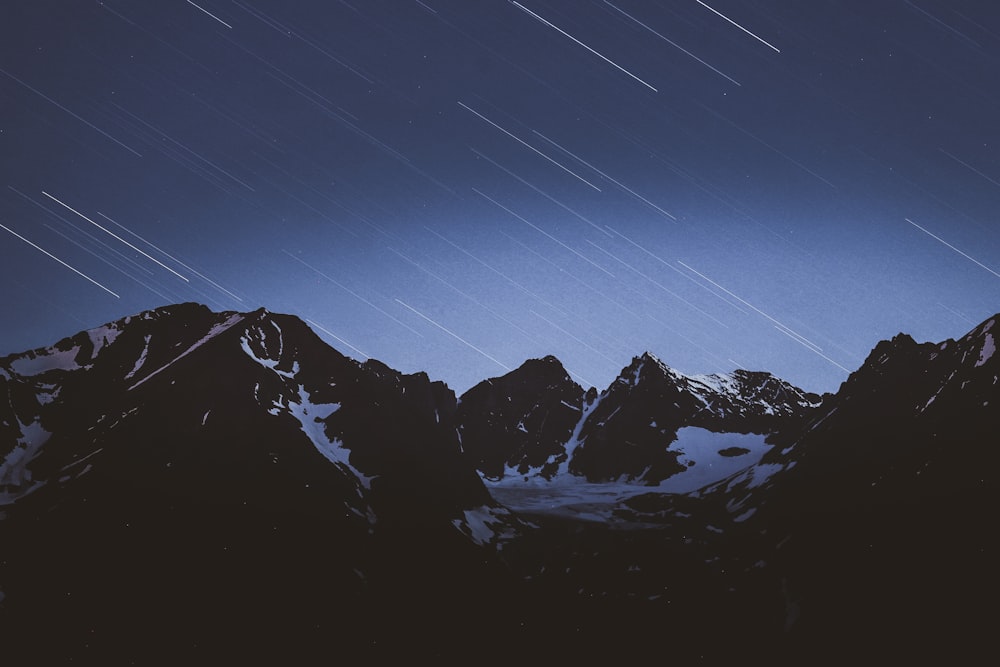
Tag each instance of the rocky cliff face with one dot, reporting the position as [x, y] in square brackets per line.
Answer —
[872, 518]
[219, 474]
[521, 422]
[536, 422]
[183, 388]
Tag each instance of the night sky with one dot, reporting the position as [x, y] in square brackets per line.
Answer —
[458, 185]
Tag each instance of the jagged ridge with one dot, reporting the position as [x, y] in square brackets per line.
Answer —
[171, 458]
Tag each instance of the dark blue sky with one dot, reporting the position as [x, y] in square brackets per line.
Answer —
[456, 186]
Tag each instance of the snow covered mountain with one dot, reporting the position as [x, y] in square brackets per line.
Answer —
[191, 388]
[217, 468]
[199, 486]
[875, 519]
[536, 422]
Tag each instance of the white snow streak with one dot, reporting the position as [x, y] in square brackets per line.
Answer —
[310, 416]
[269, 363]
[989, 347]
[212, 333]
[141, 360]
[574, 439]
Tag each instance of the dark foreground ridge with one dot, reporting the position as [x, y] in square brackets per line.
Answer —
[185, 485]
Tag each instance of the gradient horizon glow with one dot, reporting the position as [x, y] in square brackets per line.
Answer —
[456, 186]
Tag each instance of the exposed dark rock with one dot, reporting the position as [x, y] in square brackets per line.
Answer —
[520, 420]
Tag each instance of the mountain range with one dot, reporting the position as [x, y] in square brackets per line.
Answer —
[186, 485]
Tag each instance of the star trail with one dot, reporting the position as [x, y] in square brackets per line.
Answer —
[458, 186]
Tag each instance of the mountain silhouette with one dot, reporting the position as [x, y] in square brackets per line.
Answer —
[190, 485]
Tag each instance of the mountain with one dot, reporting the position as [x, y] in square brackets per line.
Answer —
[894, 492]
[521, 422]
[185, 485]
[874, 519]
[206, 470]
[239, 382]
[536, 422]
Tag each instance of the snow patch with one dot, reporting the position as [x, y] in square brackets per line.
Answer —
[564, 496]
[51, 360]
[637, 373]
[310, 417]
[761, 473]
[819, 421]
[701, 447]
[938, 392]
[720, 384]
[989, 347]
[212, 333]
[15, 478]
[753, 477]
[141, 360]
[574, 438]
[335, 452]
[46, 397]
[486, 525]
[267, 362]
[81, 460]
[102, 336]
[568, 495]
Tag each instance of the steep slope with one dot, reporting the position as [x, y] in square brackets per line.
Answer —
[873, 521]
[630, 433]
[522, 420]
[192, 486]
[227, 473]
[893, 497]
[535, 422]
[233, 379]
[913, 421]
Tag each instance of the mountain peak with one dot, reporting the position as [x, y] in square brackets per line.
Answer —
[903, 339]
[518, 422]
[650, 357]
[646, 366]
[533, 374]
[184, 309]
[548, 365]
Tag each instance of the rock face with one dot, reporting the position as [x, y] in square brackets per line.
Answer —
[895, 487]
[222, 473]
[521, 421]
[535, 421]
[191, 486]
[184, 391]
[872, 519]
[631, 430]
